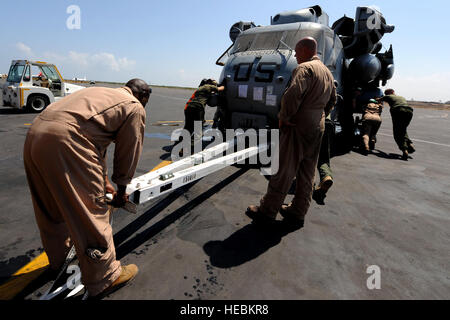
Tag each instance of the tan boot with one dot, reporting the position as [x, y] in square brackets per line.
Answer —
[126, 275]
[325, 184]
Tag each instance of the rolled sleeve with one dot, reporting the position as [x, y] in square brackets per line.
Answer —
[128, 149]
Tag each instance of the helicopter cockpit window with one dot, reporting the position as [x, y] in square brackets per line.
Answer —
[243, 43]
[327, 49]
[282, 40]
[258, 41]
[292, 37]
[267, 41]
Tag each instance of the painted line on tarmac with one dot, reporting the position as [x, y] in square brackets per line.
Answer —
[168, 97]
[22, 277]
[177, 121]
[161, 165]
[445, 116]
[418, 140]
[32, 270]
[161, 136]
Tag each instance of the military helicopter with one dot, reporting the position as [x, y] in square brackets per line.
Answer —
[257, 67]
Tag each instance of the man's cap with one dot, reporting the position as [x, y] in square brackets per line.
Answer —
[212, 82]
[373, 101]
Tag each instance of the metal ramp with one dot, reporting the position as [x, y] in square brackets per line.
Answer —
[187, 170]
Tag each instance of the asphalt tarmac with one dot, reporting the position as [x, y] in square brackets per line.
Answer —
[197, 243]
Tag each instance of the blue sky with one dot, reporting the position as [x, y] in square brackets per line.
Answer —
[176, 42]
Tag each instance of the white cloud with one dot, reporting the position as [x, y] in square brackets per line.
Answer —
[431, 87]
[104, 59]
[107, 60]
[103, 65]
[125, 63]
[79, 59]
[24, 49]
[97, 61]
[53, 57]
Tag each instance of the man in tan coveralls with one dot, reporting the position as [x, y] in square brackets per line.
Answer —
[64, 156]
[371, 124]
[302, 124]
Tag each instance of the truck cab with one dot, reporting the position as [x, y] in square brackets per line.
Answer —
[34, 85]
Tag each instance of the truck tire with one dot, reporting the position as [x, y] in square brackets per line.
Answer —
[37, 103]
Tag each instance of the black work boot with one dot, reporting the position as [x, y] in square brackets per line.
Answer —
[291, 222]
[405, 155]
[258, 217]
[319, 197]
[364, 151]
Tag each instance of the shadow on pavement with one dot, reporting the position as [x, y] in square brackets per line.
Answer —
[11, 111]
[168, 154]
[10, 266]
[244, 245]
[390, 156]
[150, 232]
[23, 285]
[143, 219]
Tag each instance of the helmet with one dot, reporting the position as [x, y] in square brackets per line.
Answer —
[211, 82]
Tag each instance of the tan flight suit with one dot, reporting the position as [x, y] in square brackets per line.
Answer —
[65, 166]
[311, 92]
[371, 123]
